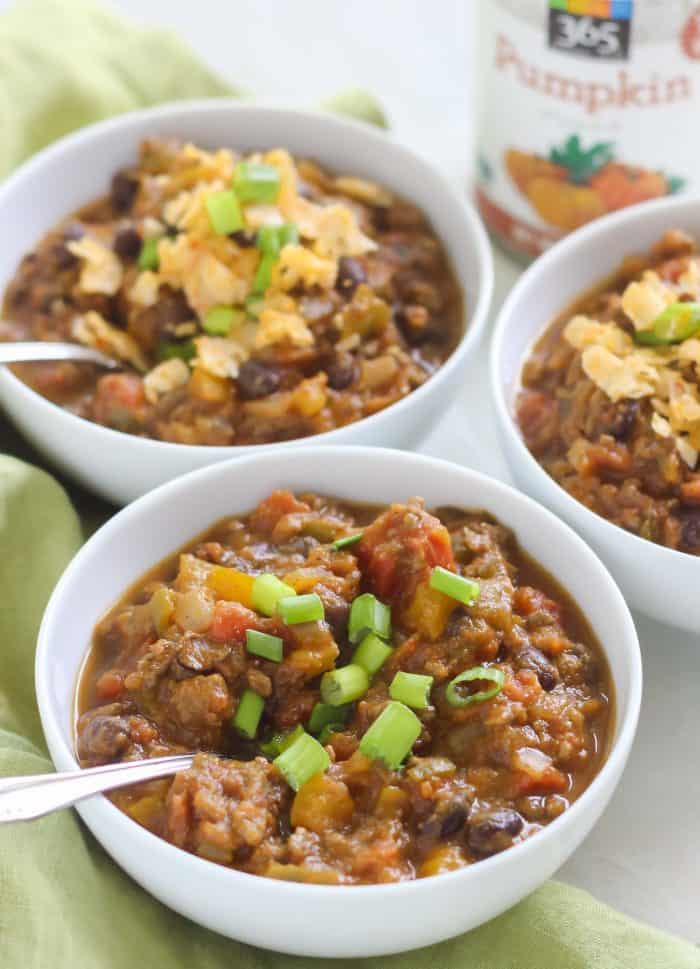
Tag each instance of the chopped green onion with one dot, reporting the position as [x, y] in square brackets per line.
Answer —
[266, 592]
[413, 689]
[371, 654]
[302, 760]
[323, 714]
[392, 735]
[262, 644]
[455, 586]
[368, 615]
[489, 673]
[676, 323]
[268, 240]
[148, 257]
[248, 713]
[220, 320]
[347, 541]
[287, 234]
[344, 684]
[253, 306]
[295, 609]
[279, 742]
[255, 182]
[224, 212]
[263, 274]
[180, 349]
[330, 728]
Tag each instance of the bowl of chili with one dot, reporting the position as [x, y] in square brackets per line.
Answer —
[360, 673]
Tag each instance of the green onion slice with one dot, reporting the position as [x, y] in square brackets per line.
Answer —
[347, 541]
[371, 654]
[413, 689]
[477, 673]
[368, 615]
[220, 320]
[279, 742]
[323, 714]
[248, 713]
[302, 760]
[181, 349]
[344, 684]
[392, 735]
[287, 234]
[224, 212]
[268, 240]
[263, 274]
[256, 182]
[455, 586]
[148, 257]
[295, 609]
[266, 592]
[265, 645]
[676, 323]
[329, 729]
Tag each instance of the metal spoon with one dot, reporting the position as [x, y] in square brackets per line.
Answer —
[30, 797]
[25, 352]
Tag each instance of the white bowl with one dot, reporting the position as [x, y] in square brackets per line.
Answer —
[78, 168]
[315, 920]
[657, 580]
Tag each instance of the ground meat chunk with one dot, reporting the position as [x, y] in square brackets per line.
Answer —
[227, 811]
[201, 703]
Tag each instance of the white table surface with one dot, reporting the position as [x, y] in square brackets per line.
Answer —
[644, 855]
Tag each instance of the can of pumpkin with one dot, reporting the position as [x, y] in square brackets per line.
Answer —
[585, 107]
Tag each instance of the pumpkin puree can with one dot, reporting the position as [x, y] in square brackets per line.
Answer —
[586, 106]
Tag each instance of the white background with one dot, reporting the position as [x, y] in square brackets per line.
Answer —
[417, 57]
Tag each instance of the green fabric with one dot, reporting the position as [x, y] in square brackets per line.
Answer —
[63, 903]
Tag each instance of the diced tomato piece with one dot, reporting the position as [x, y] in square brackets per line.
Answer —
[527, 600]
[231, 620]
[269, 511]
[119, 401]
[110, 685]
[400, 548]
[690, 491]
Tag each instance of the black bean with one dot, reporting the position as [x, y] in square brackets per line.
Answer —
[494, 832]
[453, 820]
[243, 238]
[63, 257]
[123, 191]
[351, 273]
[624, 420]
[73, 231]
[341, 373]
[416, 324]
[127, 243]
[690, 532]
[531, 658]
[257, 380]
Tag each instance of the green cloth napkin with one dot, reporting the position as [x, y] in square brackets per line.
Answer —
[63, 903]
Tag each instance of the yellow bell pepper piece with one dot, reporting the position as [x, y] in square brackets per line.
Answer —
[232, 585]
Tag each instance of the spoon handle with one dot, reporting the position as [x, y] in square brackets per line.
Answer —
[26, 798]
[25, 352]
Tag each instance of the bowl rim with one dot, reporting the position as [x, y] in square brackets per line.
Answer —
[474, 318]
[101, 811]
[537, 271]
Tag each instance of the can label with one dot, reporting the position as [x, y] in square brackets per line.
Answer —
[588, 106]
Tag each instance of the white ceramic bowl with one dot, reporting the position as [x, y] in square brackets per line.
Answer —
[318, 920]
[659, 581]
[78, 168]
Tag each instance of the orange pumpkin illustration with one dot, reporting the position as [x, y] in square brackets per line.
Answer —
[620, 185]
[575, 184]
